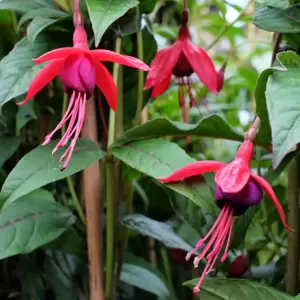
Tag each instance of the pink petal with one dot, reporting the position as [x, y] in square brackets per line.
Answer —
[195, 168]
[43, 78]
[163, 64]
[58, 53]
[202, 65]
[106, 84]
[161, 87]
[106, 55]
[269, 191]
[233, 176]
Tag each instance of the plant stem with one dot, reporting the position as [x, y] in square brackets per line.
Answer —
[76, 5]
[140, 54]
[119, 114]
[112, 114]
[168, 273]
[69, 179]
[93, 205]
[227, 27]
[277, 41]
[76, 200]
[185, 4]
[110, 226]
[110, 190]
[129, 191]
[292, 269]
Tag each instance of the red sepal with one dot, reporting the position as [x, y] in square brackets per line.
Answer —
[43, 78]
[107, 55]
[58, 53]
[269, 191]
[195, 168]
[233, 176]
[106, 84]
[202, 65]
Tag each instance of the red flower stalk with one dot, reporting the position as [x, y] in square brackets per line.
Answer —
[80, 70]
[237, 188]
[182, 59]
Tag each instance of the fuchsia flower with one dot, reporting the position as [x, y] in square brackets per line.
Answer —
[239, 267]
[182, 59]
[80, 70]
[237, 188]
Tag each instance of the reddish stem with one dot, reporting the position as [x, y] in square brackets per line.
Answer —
[92, 192]
[77, 16]
[185, 4]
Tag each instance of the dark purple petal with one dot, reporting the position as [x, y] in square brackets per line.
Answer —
[238, 209]
[219, 193]
[78, 75]
[250, 195]
[183, 67]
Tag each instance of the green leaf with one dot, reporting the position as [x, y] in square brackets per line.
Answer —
[17, 69]
[261, 105]
[236, 289]
[103, 13]
[158, 230]
[43, 12]
[25, 114]
[9, 145]
[31, 280]
[212, 127]
[24, 5]
[40, 194]
[38, 168]
[282, 4]
[69, 243]
[297, 297]
[278, 20]
[159, 158]
[60, 273]
[282, 103]
[37, 25]
[141, 274]
[28, 224]
[147, 6]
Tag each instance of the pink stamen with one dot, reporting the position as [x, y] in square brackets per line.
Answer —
[182, 105]
[81, 115]
[64, 140]
[198, 96]
[211, 241]
[193, 102]
[221, 238]
[181, 99]
[224, 257]
[201, 241]
[66, 116]
[221, 230]
[75, 115]
[196, 289]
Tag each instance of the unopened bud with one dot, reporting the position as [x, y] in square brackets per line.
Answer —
[251, 134]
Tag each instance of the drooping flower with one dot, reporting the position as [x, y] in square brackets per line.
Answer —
[238, 267]
[80, 70]
[237, 189]
[182, 59]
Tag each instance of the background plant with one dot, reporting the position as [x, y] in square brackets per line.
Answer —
[141, 228]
